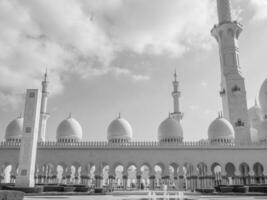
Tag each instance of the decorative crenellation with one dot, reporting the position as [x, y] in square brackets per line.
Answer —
[134, 144]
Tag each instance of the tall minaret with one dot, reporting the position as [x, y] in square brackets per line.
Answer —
[233, 90]
[176, 95]
[43, 111]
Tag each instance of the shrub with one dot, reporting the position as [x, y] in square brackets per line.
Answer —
[69, 189]
[241, 189]
[98, 190]
[11, 195]
[37, 189]
[205, 190]
[258, 188]
[53, 188]
[81, 189]
[225, 189]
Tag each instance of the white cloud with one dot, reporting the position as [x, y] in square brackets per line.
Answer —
[194, 107]
[260, 9]
[85, 36]
[204, 84]
[126, 72]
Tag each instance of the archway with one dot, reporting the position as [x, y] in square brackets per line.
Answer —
[105, 174]
[119, 177]
[173, 176]
[92, 170]
[131, 178]
[244, 171]
[145, 176]
[202, 170]
[189, 178]
[7, 173]
[230, 172]
[61, 172]
[216, 170]
[258, 172]
[158, 169]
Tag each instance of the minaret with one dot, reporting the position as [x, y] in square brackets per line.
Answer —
[176, 95]
[233, 90]
[43, 111]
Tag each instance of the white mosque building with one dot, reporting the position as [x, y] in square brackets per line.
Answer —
[235, 152]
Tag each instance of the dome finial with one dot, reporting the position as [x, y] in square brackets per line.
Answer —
[45, 75]
[119, 115]
[70, 115]
[20, 115]
[220, 115]
[175, 75]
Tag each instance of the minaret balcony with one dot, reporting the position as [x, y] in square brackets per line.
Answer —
[227, 27]
[176, 94]
[239, 123]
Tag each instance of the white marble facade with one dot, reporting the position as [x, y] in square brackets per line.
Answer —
[235, 151]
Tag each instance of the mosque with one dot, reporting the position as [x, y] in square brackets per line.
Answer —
[235, 152]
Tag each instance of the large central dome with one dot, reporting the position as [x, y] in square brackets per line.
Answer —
[119, 130]
[221, 131]
[14, 130]
[170, 130]
[69, 130]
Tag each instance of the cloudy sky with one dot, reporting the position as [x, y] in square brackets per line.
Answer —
[106, 57]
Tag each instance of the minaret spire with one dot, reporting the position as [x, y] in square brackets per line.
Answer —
[234, 99]
[176, 95]
[43, 111]
[224, 11]
[45, 75]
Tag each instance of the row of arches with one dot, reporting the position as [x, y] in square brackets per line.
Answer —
[131, 176]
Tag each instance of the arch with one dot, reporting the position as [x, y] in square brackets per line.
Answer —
[145, 171]
[215, 168]
[188, 169]
[244, 169]
[202, 169]
[230, 169]
[7, 173]
[160, 165]
[258, 169]
[158, 169]
[258, 172]
[119, 175]
[115, 165]
[131, 176]
[105, 174]
[147, 165]
[129, 164]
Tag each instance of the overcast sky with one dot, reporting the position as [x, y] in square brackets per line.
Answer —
[106, 57]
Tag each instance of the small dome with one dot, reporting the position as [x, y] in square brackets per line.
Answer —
[263, 97]
[254, 135]
[69, 130]
[170, 130]
[221, 131]
[119, 130]
[14, 130]
[262, 131]
[255, 115]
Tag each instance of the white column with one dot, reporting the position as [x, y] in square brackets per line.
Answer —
[28, 148]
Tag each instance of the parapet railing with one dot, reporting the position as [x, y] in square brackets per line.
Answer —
[134, 144]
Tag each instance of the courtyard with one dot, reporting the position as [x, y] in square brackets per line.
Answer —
[142, 197]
